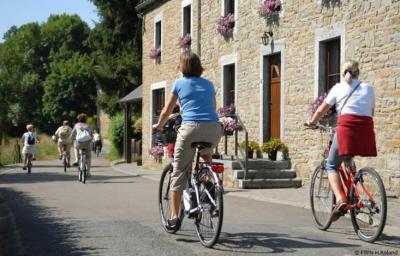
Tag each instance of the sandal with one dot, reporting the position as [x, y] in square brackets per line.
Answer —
[339, 210]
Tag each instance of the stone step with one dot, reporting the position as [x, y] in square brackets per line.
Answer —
[262, 164]
[265, 174]
[269, 183]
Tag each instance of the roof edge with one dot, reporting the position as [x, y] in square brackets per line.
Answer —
[146, 5]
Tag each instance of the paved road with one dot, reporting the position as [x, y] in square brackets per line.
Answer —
[116, 214]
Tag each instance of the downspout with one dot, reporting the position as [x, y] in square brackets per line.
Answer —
[199, 28]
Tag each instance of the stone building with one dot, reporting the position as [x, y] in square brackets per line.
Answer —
[273, 67]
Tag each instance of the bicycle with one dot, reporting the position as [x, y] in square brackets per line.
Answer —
[29, 162]
[82, 166]
[365, 194]
[97, 147]
[202, 201]
[65, 157]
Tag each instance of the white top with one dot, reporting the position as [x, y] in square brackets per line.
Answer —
[360, 103]
[96, 136]
[25, 137]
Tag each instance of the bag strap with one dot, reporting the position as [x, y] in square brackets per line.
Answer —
[348, 97]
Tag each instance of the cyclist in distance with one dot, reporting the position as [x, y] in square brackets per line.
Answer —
[29, 140]
[82, 134]
[196, 96]
[63, 133]
[97, 141]
[355, 102]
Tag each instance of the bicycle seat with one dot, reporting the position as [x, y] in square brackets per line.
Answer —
[201, 145]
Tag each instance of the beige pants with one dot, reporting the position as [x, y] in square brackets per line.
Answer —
[188, 133]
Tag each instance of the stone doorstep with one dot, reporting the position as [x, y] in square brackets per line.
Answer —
[270, 183]
[257, 164]
[265, 174]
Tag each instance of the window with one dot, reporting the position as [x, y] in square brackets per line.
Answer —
[187, 19]
[229, 84]
[229, 6]
[158, 103]
[332, 64]
[158, 35]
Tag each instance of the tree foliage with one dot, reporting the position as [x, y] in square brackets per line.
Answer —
[116, 41]
[28, 56]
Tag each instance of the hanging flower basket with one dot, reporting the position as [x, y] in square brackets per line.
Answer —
[270, 8]
[155, 53]
[157, 152]
[226, 24]
[185, 41]
[330, 117]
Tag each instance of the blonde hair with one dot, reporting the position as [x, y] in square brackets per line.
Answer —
[350, 70]
[29, 127]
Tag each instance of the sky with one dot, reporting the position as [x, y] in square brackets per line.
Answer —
[19, 12]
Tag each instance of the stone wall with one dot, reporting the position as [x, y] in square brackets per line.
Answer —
[371, 36]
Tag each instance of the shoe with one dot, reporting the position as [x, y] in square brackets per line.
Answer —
[173, 224]
[338, 211]
[24, 168]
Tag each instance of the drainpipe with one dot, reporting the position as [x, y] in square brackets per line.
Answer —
[199, 28]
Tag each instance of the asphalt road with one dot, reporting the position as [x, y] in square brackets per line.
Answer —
[117, 214]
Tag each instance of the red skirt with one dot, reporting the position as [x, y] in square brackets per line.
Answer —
[356, 136]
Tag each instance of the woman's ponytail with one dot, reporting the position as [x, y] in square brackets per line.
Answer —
[350, 68]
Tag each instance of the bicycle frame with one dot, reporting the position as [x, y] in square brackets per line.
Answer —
[347, 173]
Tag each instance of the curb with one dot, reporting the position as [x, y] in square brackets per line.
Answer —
[114, 164]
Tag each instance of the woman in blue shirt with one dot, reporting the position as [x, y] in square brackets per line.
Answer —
[199, 123]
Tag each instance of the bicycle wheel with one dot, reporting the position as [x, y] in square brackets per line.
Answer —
[84, 169]
[29, 166]
[65, 163]
[321, 198]
[209, 221]
[369, 217]
[164, 199]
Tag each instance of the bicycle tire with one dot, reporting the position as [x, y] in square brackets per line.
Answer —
[208, 232]
[84, 169]
[321, 198]
[359, 216]
[29, 167]
[164, 199]
[65, 163]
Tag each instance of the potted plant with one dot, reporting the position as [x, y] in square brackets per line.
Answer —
[157, 152]
[330, 117]
[226, 24]
[271, 148]
[185, 41]
[230, 125]
[155, 53]
[251, 147]
[259, 152]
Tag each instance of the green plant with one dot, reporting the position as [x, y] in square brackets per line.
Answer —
[116, 132]
[252, 145]
[273, 145]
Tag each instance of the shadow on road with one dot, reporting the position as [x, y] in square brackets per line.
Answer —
[43, 234]
[274, 242]
[42, 177]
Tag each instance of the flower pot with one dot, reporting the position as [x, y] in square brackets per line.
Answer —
[259, 154]
[228, 133]
[250, 153]
[272, 155]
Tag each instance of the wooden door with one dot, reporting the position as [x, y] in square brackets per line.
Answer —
[275, 95]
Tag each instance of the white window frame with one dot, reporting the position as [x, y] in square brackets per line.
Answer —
[185, 3]
[159, 18]
[266, 50]
[225, 61]
[153, 87]
[324, 34]
[236, 13]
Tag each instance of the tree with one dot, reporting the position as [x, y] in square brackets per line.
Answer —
[69, 89]
[116, 41]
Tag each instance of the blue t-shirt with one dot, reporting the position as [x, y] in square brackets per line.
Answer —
[197, 97]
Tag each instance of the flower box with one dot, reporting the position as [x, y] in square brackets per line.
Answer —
[155, 53]
[185, 41]
[270, 8]
[226, 24]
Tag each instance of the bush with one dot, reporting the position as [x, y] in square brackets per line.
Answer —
[116, 133]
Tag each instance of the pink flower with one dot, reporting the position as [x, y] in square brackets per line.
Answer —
[185, 41]
[155, 53]
[226, 24]
[270, 7]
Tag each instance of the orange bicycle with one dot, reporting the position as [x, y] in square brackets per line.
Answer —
[364, 190]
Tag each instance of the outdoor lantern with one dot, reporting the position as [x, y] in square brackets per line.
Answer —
[266, 36]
